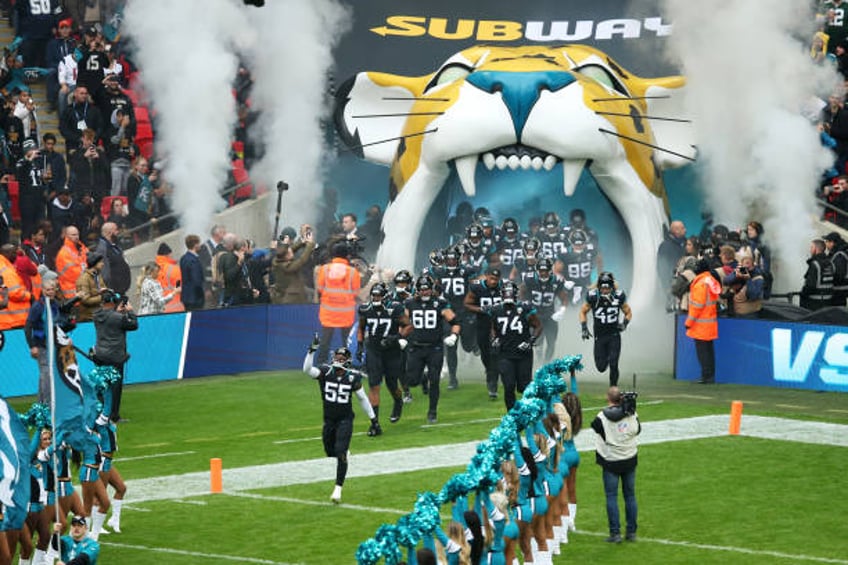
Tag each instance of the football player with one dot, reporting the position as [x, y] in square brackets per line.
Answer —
[338, 383]
[577, 221]
[514, 329]
[576, 264]
[481, 297]
[542, 291]
[525, 266]
[425, 312]
[402, 293]
[551, 236]
[476, 252]
[378, 335]
[610, 316]
[454, 279]
[509, 244]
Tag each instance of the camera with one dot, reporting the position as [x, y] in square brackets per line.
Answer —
[628, 402]
[743, 270]
[282, 186]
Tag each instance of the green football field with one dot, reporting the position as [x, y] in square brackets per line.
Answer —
[723, 499]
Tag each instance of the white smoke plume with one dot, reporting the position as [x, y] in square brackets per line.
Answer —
[186, 55]
[748, 74]
[290, 65]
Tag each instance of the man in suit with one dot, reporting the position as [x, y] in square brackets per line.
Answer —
[191, 270]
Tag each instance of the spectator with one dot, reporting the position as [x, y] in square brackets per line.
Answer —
[55, 174]
[208, 250]
[169, 278]
[152, 298]
[70, 261]
[120, 151]
[35, 331]
[760, 253]
[115, 68]
[5, 224]
[140, 196]
[684, 274]
[90, 287]
[817, 291]
[25, 111]
[14, 315]
[745, 285]
[89, 168]
[115, 99]
[286, 268]
[66, 75]
[191, 273]
[28, 271]
[92, 63]
[837, 252]
[65, 211]
[57, 49]
[231, 264]
[836, 26]
[32, 190]
[118, 213]
[116, 270]
[79, 116]
[14, 128]
[258, 268]
[702, 318]
[837, 196]
[36, 22]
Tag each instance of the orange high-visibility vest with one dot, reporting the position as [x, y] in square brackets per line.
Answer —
[70, 263]
[15, 313]
[337, 284]
[169, 276]
[702, 321]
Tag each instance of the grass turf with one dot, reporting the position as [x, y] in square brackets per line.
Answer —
[704, 501]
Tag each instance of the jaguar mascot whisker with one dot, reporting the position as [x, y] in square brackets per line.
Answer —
[529, 108]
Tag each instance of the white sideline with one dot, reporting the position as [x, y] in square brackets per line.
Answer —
[457, 455]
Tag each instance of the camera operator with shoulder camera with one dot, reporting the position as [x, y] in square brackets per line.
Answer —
[111, 324]
[744, 288]
[616, 445]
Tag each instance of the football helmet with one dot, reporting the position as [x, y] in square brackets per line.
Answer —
[403, 277]
[606, 281]
[452, 256]
[551, 221]
[578, 217]
[509, 292]
[424, 287]
[544, 268]
[510, 227]
[577, 238]
[378, 293]
[342, 356]
[437, 258]
[474, 233]
[531, 246]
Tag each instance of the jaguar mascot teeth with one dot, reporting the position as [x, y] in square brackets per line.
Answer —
[530, 108]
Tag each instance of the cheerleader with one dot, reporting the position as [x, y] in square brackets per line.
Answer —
[108, 472]
[509, 487]
[93, 489]
[537, 447]
[69, 498]
[572, 405]
[553, 519]
[496, 505]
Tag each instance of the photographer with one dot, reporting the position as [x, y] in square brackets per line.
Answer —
[111, 324]
[744, 289]
[286, 267]
[616, 447]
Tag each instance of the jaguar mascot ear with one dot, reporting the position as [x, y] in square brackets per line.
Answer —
[531, 108]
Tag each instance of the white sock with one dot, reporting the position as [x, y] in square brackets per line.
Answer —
[116, 512]
[97, 519]
[39, 556]
[23, 561]
[563, 530]
[534, 547]
[572, 511]
[553, 545]
[542, 558]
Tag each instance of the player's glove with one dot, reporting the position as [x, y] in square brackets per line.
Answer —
[389, 341]
[525, 346]
[359, 354]
[558, 315]
[623, 324]
[450, 341]
[486, 310]
[316, 341]
[402, 343]
[584, 331]
[496, 343]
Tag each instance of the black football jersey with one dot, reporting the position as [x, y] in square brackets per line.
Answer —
[525, 269]
[484, 296]
[509, 251]
[541, 294]
[475, 258]
[606, 310]
[337, 391]
[577, 266]
[454, 282]
[381, 321]
[552, 245]
[512, 327]
[426, 319]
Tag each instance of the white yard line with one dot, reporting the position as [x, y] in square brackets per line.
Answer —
[457, 455]
[218, 556]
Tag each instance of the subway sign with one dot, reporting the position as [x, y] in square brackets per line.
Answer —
[768, 353]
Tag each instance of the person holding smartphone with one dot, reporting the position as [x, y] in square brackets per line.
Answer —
[287, 265]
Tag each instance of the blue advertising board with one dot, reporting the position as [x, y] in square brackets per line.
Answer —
[770, 353]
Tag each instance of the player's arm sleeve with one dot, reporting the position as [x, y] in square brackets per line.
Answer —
[308, 368]
[363, 401]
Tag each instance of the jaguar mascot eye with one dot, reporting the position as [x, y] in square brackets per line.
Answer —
[529, 108]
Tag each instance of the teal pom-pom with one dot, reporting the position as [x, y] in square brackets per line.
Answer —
[101, 377]
[38, 416]
[387, 539]
[368, 552]
[407, 531]
[427, 512]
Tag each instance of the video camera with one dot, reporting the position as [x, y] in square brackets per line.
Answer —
[628, 402]
[115, 298]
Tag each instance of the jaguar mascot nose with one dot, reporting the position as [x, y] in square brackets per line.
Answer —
[520, 91]
[531, 109]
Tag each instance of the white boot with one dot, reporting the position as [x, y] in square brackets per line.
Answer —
[115, 519]
[553, 545]
[563, 530]
[572, 516]
[97, 520]
[23, 561]
[337, 494]
[39, 557]
[542, 558]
